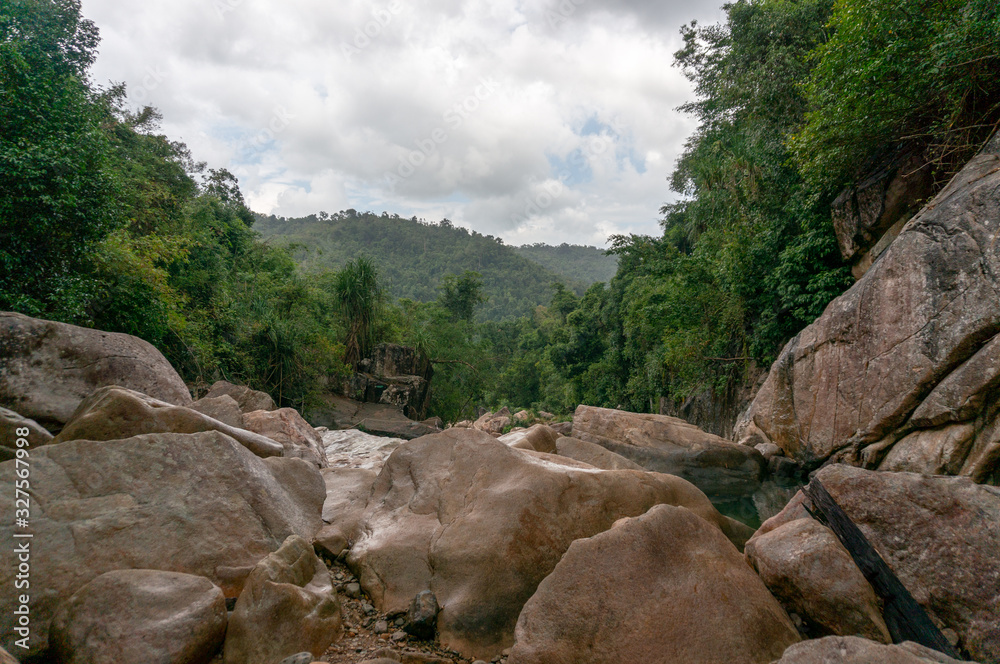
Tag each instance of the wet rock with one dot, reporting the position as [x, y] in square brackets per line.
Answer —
[422, 616]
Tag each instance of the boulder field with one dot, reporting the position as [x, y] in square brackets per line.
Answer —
[160, 529]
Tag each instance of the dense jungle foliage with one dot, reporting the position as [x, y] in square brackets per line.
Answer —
[414, 256]
[106, 223]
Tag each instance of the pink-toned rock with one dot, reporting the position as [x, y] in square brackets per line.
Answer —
[593, 454]
[666, 444]
[287, 427]
[539, 438]
[347, 493]
[810, 572]
[247, 399]
[911, 346]
[480, 525]
[48, 368]
[287, 606]
[198, 504]
[114, 413]
[662, 587]
[141, 616]
[855, 650]
[940, 535]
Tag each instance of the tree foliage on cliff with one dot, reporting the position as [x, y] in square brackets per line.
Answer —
[922, 72]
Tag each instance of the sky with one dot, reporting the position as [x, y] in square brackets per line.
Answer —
[530, 120]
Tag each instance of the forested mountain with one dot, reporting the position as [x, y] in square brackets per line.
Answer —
[413, 256]
[586, 265]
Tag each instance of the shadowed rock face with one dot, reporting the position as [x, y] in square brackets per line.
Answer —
[198, 504]
[48, 368]
[480, 524]
[662, 587]
[911, 346]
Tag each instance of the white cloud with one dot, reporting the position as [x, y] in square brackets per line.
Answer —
[534, 120]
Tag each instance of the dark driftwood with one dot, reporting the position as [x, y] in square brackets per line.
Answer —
[906, 620]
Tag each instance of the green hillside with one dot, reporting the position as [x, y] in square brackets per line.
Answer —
[413, 256]
[587, 265]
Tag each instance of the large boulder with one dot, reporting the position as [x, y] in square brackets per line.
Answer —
[114, 413]
[911, 346]
[662, 587]
[539, 437]
[347, 493]
[810, 572]
[48, 368]
[248, 399]
[287, 427]
[855, 650]
[287, 606]
[141, 615]
[223, 408]
[593, 454]
[665, 444]
[480, 524]
[199, 504]
[13, 427]
[336, 412]
[941, 536]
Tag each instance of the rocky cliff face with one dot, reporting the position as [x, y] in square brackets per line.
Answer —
[902, 371]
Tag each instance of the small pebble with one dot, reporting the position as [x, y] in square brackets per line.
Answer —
[381, 627]
[368, 608]
[353, 590]
[398, 636]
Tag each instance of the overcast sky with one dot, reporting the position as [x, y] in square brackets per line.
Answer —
[532, 120]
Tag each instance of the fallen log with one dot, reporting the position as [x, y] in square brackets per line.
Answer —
[906, 620]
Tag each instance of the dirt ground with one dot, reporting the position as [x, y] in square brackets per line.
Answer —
[361, 642]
